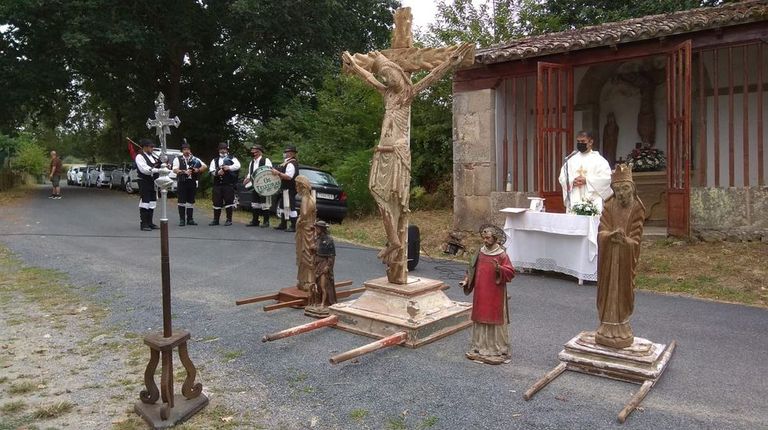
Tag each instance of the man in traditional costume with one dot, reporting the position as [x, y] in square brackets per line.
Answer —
[488, 274]
[287, 171]
[224, 170]
[259, 204]
[147, 166]
[586, 175]
[305, 235]
[323, 292]
[618, 244]
[187, 169]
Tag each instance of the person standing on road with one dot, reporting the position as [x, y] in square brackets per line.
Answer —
[147, 166]
[259, 204]
[187, 169]
[287, 172]
[55, 176]
[224, 170]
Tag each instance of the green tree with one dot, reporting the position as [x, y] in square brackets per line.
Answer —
[485, 23]
[548, 16]
[97, 65]
[30, 157]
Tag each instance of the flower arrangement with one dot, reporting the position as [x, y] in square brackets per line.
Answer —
[585, 207]
[647, 159]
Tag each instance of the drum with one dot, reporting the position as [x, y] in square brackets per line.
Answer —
[264, 182]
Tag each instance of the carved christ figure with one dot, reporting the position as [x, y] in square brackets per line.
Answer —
[390, 176]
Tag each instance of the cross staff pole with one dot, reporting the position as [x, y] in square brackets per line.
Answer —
[162, 124]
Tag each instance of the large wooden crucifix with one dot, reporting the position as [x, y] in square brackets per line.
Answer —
[389, 72]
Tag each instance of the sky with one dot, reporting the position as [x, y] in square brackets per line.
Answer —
[424, 11]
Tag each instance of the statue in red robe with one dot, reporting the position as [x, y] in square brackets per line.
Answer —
[487, 277]
[618, 244]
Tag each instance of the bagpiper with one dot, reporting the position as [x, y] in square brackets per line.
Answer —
[224, 170]
[187, 168]
[147, 166]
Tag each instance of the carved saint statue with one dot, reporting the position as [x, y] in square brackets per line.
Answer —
[610, 139]
[390, 176]
[487, 277]
[323, 291]
[618, 238]
[305, 234]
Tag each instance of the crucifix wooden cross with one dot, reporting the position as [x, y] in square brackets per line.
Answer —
[404, 54]
[389, 72]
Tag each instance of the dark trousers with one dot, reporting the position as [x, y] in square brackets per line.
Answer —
[147, 202]
[223, 197]
[185, 194]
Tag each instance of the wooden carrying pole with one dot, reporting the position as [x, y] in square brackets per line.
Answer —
[391, 340]
[293, 331]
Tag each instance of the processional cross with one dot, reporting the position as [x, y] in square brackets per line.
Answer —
[389, 72]
[174, 408]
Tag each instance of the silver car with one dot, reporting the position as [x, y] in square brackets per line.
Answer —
[119, 176]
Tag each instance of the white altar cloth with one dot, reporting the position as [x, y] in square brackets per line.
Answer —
[564, 243]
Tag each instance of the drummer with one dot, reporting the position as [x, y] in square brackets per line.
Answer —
[259, 204]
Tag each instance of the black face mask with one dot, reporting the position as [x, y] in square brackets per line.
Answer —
[581, 146]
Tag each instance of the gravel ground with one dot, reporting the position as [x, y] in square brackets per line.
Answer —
[715, 379]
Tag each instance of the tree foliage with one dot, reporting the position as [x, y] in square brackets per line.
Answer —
[95, 66]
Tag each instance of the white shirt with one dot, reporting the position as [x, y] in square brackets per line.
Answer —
[232, 168]
[142, 165]
[596, 170]
[290, 170]
[254, 164]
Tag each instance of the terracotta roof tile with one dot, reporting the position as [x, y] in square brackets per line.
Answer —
[631, 30]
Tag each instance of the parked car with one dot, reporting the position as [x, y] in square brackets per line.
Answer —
[87, 173]
[331, 198]
[74, 174]
[102, 175]
[118, 177]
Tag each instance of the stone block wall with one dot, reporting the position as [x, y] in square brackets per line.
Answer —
[729, 213]
[474, 157]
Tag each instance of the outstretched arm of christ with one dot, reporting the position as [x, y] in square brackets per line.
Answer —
[438, 72]
[352, 67]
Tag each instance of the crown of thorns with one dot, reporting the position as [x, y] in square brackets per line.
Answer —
[496, 232]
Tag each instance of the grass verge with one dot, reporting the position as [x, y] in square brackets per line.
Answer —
[723, 271]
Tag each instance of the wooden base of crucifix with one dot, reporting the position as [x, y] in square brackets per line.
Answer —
[293, 297]
[642, 363]
[410, 315]
[174, 408]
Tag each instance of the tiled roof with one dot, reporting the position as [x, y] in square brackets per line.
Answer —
[631, 30]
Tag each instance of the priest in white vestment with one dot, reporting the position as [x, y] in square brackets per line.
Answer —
[589, 175]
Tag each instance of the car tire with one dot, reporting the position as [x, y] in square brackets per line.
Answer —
[414, 245]
[128, 187]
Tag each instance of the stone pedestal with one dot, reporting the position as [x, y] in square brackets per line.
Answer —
[641, 363]
[419, 308]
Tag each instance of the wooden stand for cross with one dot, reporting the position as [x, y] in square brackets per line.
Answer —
[642, 363]
[174, 408]
[295, 298]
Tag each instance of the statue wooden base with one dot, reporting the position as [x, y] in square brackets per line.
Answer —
[174, 408]
[419, 308]
[642, 363]
[293, 297]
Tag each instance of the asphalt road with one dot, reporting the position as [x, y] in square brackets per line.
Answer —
[716, 379]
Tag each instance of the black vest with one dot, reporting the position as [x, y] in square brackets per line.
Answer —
[229, 177]
[289, 184]
[194, 163]
[151, 162]
[251, 168]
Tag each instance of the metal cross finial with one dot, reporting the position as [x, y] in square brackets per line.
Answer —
[162, 121]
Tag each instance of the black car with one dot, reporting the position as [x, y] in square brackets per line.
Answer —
[331, 199]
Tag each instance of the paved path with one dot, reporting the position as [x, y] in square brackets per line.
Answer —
[717, 377]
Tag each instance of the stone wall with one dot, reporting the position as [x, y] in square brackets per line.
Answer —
[474, 159]
[729, 213]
